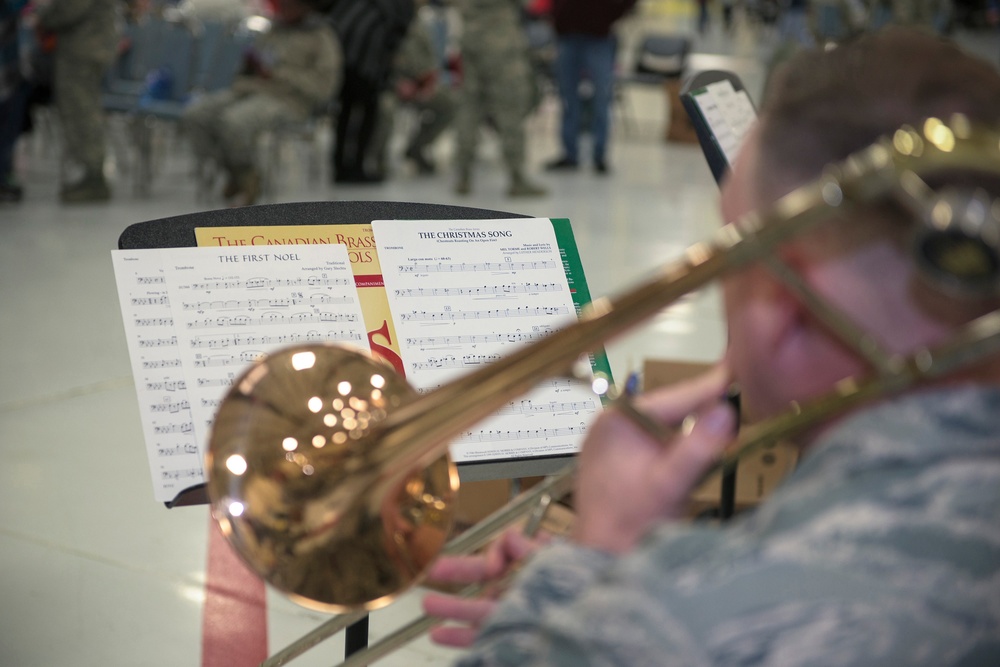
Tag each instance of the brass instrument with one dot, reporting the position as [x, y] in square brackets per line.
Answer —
[330, 476]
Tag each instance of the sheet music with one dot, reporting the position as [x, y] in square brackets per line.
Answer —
[195, 318]
[465, 293]
[730, 114]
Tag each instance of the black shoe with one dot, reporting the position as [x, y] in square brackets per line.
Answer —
[358, 179]
[424, 166]
[601, 167]
[11, 192]
[562, 164]
[89, 190]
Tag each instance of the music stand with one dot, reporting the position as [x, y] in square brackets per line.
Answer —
[708, 135]
[179, 232]
[709, 126]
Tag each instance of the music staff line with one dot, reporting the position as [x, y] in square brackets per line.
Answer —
[170, 406]
[228, 359]
[461, 267]
[270, 319]
[520, 434]
[450, 361]
[525, 288]
[244, 304]
[474, 339]
[154, 364]
[265, 283]
[154, 321]
[158, 342]
[150, 301]
[452, 315]
[167, 385]
[223, 341]
[177, 450]
[172, 429]
[185, 473]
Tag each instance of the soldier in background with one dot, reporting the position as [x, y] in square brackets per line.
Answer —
[86, 38]
[371, 32]
[416, 82]
[291, 71]
[13, 97]
[496, 84]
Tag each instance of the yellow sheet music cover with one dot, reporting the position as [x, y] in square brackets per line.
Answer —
[360, 242]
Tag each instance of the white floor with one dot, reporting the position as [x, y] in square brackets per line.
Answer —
[95, 572]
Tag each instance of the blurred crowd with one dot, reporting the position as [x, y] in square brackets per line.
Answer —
[459, 65]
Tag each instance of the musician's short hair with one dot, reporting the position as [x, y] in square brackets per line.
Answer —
[821, 106]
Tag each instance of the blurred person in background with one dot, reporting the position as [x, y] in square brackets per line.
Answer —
[416, 83]
[371, 32]
[13, 96]
[497, 85]
[86, 41]
[290, 72]
[586, 50]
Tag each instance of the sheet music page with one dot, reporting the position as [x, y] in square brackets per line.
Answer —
[225, 307]
[729, 113]
[464, 293]
[167, 425]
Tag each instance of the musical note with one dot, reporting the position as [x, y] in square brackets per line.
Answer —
[526, 434]
[169, 429]
[443, 267]
[451, 315]
[228, 359]
[154, 322]
[468, 361]
[151, 280]
[166, 385]
[158, 342]
[526, 288]
[226, 381]
[474, 339]
[527, 407]
[245, 304]
[186, 473]
[161, 363]
[177, 450]
[270, 319]
[150, 301]
[221, 342]
[170, 406]
[266, 283]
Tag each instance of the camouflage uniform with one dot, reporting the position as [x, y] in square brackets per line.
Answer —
[883, 548]
[416, 62]
[305, 64]
[496, 84]
[86, 41]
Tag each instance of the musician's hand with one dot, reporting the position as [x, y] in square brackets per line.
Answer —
[489, 566]
[627, 481]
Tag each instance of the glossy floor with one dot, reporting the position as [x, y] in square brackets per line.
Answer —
[95, 572]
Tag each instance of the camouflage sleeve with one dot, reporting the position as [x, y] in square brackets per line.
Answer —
[318, 82]
[62, 14]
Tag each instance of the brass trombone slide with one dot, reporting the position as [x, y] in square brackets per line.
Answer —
[350, 524]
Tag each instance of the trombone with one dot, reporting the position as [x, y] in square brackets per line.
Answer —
[354, 520]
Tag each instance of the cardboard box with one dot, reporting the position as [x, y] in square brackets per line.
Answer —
[477, 500]
[757, 474]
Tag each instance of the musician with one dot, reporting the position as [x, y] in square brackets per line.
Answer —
[883, 547]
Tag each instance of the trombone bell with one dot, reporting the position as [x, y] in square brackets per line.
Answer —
[297, 486]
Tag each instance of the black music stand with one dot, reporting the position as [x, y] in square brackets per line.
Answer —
[719, 165]
[710, 146]
[178, 232]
